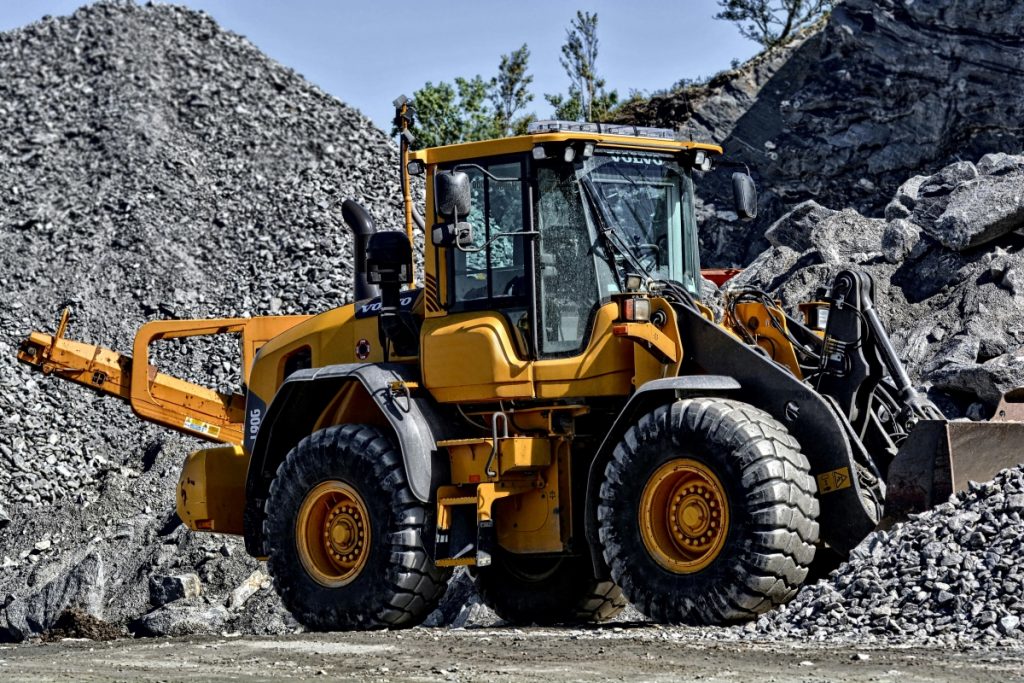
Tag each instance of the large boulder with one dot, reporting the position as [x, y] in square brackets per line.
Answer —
[183, 618]
[837, 236]
[165, 589]
[76, 582]
[979, 211]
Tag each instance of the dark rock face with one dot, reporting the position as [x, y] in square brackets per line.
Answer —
[949, 292]
[888, 89]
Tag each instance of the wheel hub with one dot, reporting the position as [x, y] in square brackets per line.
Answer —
[343, 530]
[684, 516]
[332, 533]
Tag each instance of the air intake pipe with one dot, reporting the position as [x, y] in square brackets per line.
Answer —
[361, 224]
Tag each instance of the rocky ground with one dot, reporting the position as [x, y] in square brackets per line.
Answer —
[626, 652]
[153, 165]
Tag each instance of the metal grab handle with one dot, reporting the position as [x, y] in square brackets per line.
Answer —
[494, 440]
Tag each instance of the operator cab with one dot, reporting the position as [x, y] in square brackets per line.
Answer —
[563, 222]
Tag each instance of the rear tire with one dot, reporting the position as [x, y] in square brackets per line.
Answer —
[524, 589]
[368, 568]
[707, 513]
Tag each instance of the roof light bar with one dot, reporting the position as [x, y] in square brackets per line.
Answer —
[556, 126]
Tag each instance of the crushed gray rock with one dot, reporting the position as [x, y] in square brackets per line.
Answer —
[156, 166]
[951, 576]
[183, 619]
[165, 589]
[152, 165]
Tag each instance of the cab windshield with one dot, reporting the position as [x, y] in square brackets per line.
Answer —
[614, 213]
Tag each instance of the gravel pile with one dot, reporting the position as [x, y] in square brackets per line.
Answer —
[152, 165]
[156, 166]
[951, 576]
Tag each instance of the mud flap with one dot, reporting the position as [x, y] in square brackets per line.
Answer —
[939, 458]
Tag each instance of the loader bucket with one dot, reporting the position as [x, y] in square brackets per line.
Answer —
[939, 458]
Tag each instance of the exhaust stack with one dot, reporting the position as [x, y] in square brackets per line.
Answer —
[361, 224]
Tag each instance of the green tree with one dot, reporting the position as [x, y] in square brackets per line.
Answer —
[510, 93]
[475, 109]
[773, 22]
[587, 98]
[447, 114]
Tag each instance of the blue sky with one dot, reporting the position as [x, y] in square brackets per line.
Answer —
[367, 53]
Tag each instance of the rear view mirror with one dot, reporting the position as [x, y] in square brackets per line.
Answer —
[452, 235]
[451, 189]
[745, 195]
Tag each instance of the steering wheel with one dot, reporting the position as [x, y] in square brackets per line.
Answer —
[515, 286]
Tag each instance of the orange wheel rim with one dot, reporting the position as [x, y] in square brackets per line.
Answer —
[332, 532]
[684, 516]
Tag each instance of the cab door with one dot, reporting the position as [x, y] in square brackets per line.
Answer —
[478, 347]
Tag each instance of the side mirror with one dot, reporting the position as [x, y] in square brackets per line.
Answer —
[745, 195]
[452, 234]
[452, 192]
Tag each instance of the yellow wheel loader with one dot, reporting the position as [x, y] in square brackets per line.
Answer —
[555, 405]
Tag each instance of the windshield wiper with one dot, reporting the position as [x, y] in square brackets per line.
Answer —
[613, 243]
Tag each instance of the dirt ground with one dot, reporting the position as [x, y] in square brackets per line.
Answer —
[502, 654]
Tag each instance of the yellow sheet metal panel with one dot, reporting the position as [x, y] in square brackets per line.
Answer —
[521, 453]
[531, 522]
[330, 337]
[471, 357]
[211, 490]
[516, 454]
[604, 368]
[650, 365]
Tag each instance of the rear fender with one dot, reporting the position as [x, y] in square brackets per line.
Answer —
[303, 398]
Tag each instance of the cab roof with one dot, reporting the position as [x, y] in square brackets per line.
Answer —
[525, 143]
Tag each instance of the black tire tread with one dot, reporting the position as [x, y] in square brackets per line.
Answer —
[583, 600]
[414, 585]
[777, 479]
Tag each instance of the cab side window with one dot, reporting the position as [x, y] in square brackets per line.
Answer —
[492, 272]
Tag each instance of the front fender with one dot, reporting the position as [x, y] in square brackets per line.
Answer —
[302, 398]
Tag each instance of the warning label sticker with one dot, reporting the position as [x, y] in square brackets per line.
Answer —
[195, 425]
[834, 480]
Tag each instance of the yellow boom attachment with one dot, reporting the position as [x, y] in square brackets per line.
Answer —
[154, 396]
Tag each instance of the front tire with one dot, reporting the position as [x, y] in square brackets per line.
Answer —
[345, 534]
[707, 513]
[524, 589]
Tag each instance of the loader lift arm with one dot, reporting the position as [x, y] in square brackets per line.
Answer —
[155, 396]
